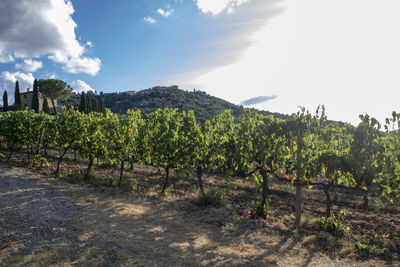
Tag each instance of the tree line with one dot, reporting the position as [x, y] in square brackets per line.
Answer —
[304, 150]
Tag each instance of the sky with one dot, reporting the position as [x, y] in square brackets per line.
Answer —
[274, 55]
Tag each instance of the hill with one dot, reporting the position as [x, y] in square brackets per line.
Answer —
[204, 105]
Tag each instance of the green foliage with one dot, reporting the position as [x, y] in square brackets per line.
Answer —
[67, 132]
[82, 103]
[260, 148]
[304, 139]
[212, 197]
[35, 97]
[68, 129]
[122, 138]
[334, 223]
[17, 97]
[45, 107]
[110, 163]
[54, 89]
[121, 135]
[90, 103]
[39, 158]
[128, 186]
[5, 100]
[91, 143]
[390, 178]
[363, 249]
[301, 149]
[366, 152]
[102, 107]
[164, 141]
[223, 143]
[168, 190]
[360, 246]
[261, 199]
[22, 127]
[204, 106]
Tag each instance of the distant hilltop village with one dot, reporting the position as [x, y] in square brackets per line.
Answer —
[172, 88]
[160, 89]
[156, 88]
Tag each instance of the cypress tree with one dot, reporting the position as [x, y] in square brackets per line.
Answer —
[17, 96]
[82, 103]
[35, 97]
[91, 104]
[45, 107]
[102, 107]
[95, 105]
[87, 104]
[5, 101]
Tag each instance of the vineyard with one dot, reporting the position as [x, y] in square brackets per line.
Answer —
[306, 153]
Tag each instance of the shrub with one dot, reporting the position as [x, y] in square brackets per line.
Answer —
[127, 185]
[82, 175]
[333, 223]
[363, 249]
[168, 190]
[211, 197]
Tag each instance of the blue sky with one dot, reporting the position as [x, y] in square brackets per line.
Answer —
[288, 53]
[142, 43]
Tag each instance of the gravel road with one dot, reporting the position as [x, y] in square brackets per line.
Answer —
[34, 217]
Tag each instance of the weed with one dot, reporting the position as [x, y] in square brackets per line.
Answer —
[210, 197]
[334, 223]
[363, 249]
[39, 158]
[129, 186]
[90, 176]
[168, 190]
[75, 175]
[388, 236]
[82, 175]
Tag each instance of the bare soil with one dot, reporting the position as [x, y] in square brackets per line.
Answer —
[47, 220]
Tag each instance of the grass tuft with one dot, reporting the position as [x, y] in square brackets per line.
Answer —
[211, 197]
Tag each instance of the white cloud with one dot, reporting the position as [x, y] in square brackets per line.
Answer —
[80, 86]
[165, 13]
[90, 44]
[150, 20]
[29, 65]
[6, 58]
[216, 7]
[35, 29]
[7, 82]
[87, 65]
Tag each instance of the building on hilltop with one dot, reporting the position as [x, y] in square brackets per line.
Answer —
[132, 92]
[172, 87]
[26, 101]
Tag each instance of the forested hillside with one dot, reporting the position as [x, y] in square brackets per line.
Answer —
[205, 106]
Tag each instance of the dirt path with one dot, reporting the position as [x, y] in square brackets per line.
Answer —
[45, 221]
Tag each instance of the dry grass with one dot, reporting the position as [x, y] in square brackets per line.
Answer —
[142, 228]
